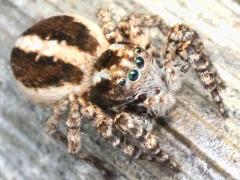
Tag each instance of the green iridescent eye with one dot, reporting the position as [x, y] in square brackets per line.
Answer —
[133, 75]
[122, 82]
[139, 61]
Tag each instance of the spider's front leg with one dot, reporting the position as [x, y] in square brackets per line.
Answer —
[131, 26]
[185, 43]
[126, 132]
[146, 143]
[135, 29]
[110, 31]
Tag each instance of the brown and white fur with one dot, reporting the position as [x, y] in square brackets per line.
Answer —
[68, 62]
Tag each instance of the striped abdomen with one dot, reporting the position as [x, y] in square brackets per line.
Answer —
[56, 57]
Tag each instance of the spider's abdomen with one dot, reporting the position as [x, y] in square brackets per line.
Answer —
[56, 57]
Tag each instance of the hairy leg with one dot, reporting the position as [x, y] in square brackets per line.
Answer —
[134, 151]
[52, 122]
[135, 28]
[73, 126]
[185, 43]
[139, 21]
[108, 26]
[121, 133]
[151, 150]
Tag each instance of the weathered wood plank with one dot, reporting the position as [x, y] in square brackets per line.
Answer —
[206, 146]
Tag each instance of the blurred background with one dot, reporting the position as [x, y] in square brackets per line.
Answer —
[204, 144]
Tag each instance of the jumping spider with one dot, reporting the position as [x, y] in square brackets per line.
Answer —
[66, 61]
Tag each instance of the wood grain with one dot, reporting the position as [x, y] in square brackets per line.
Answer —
[206, 146]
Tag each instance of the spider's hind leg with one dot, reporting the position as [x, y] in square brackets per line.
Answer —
[73, 126]
[73, 122]
[53, 120]
[185, 43]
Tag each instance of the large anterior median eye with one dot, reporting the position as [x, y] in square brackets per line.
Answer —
[133, 75]
[139, 61]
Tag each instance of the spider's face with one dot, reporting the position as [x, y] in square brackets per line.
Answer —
[126, 73]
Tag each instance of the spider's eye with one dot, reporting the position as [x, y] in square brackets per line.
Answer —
[139, 61]
[138, 50]
[133, 75]
[122, 82]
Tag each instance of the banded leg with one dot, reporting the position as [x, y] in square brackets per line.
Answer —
[53, 120]
[135, 28]
[104, 124]
[129, 124]
[109, 29]
[142, 20]
[128, 142]
[185, 43]
[73, 126]
[100, 120]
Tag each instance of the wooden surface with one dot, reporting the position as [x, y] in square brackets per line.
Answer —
[205, 145]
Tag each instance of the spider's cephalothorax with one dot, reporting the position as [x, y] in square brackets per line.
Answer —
[127, 75]
[111, 77]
